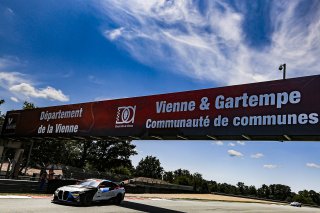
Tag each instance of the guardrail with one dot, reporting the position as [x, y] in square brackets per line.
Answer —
[150, 185]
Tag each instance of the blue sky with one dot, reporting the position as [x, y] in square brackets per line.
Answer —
[54, 52]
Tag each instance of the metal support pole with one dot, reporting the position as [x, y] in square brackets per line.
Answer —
[17, 160]
[28, 159]
[3, 158]
[1, 151]
[8, 168]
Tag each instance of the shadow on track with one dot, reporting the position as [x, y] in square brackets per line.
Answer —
[128, 205]
[146, 208]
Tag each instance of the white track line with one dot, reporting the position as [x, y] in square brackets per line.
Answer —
[13, 197]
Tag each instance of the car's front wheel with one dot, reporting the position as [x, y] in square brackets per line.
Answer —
[55, 198]
[86, 199]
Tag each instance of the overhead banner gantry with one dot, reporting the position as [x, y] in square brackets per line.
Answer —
[274, 110]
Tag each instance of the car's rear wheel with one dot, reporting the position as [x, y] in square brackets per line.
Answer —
[118, 199]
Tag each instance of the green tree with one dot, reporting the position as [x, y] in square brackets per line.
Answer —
[252, 191]
[197, 182]
[307, 197]
[315, 197]
[241, 188]
[28, 105]
[304, 197]
[227, 188]
[168, 176]
[279, 191]
[204, 187]
[182, 172]
[123, 170]
[183, 180]
[183, 177]
[106, 155]
[94, 155]
[49, 152]
[264, 191]
[149, 167]
[213, 186]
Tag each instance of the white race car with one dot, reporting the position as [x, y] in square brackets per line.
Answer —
[88, 191]
[297, 204]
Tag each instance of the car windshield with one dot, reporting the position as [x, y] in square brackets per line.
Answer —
[91, 183]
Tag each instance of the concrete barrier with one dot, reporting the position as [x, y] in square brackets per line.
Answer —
[20, 186]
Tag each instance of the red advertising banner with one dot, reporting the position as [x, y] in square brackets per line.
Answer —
[275, 110]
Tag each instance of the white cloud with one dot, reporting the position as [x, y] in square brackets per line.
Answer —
[20, 84]
[257, 155]
[10, 78]
[242, 143]
[234, 153]
[95, 79]
[46, 93]
[14, 99]
[109, 98]
[210, 43]
[270, 166]
[7, 62]
[113, 34]
[219, 143]
[231, 144]
[313, 165]
[102, 99]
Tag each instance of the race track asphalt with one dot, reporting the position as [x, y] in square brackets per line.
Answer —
[30, 205]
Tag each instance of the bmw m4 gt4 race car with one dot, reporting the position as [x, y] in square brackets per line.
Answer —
[88, 191]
